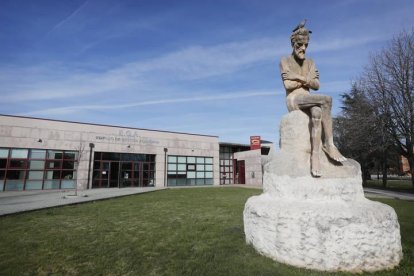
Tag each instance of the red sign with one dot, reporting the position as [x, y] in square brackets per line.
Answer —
[254, 142]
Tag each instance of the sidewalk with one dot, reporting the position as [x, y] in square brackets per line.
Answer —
[388, 194]
[17, 202]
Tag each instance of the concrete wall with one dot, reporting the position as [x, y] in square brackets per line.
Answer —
[23, 132]
[253, 167]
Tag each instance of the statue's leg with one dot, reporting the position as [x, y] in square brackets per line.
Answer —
[328, 144]
[316, 133]
[325, 103]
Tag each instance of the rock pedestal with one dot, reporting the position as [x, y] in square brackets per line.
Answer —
[319, 223]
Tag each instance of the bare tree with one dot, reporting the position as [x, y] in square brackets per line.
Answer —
[80, 151]
[389, 85]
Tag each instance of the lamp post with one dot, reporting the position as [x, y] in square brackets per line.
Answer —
[165, 166]
[91, 146]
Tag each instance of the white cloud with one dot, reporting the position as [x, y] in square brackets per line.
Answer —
[223, 96]
[68, 18]
[193, 63]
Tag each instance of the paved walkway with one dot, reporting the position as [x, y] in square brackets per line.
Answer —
[16, 202]
[388, 194]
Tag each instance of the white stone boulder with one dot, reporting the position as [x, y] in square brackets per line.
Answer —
[319, 223]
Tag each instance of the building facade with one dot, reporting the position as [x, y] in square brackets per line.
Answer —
[40, 154]
[43, 154]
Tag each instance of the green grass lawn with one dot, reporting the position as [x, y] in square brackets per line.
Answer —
[170, 232]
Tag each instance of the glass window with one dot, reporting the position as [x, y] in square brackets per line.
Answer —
[3, 163]
[1, 185]
[35, 175]
[53, 164]
[37, 165]
[68, 184]
[54, 154]
[34, 185]
[182, 167]
[209, 175]
[126, 166]
[14, 185]
[191, 170]
[200, 160]
[68, 165]
[52, 175]
[37, 154]
[97, 155]
[70, 155]
[2, 174]
[105, 166]
[68, 174]
[181, 182]
[15, 174]
[200, 174]
[18, 164]
[150, 157]
[19, 153]
[4, 153]
[172, 159]
[51, 184]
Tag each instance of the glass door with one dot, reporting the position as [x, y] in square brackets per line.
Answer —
[113, 174]
[126, 175]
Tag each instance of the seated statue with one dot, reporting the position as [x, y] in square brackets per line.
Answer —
[299, 75]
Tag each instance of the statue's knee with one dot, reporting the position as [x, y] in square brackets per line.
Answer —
[316, 113]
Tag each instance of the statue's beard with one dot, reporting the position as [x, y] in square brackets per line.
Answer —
[299, 55]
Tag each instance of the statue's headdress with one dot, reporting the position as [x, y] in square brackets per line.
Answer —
[300, 30]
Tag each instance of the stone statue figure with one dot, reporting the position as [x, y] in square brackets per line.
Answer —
[305, 220]
[299, 75]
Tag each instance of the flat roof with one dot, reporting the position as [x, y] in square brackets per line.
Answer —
[93, 124]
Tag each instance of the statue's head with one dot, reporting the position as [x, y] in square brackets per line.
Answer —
[300, 40]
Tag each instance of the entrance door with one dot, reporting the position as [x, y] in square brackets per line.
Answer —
[126, 175]
[113, 174]
[241, 174]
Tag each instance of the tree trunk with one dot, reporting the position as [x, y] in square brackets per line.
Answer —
[364, 174]
[384, 169]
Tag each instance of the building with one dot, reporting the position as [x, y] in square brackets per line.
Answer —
[404, 166]
[43, 154]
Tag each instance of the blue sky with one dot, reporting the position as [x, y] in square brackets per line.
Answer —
[207, 67]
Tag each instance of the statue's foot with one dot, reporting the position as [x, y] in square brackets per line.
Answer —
[333, 153]
[315, 165]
